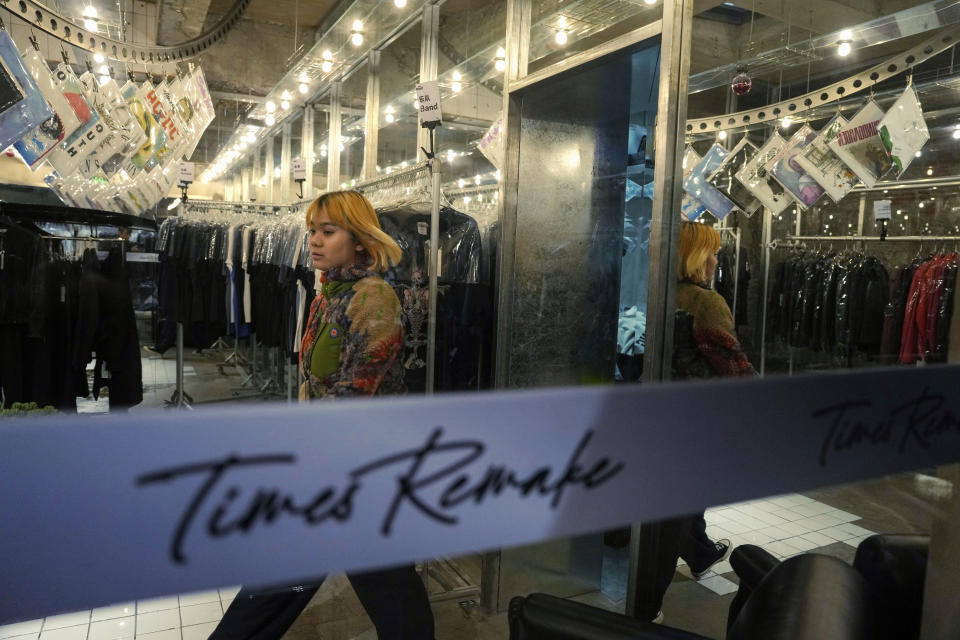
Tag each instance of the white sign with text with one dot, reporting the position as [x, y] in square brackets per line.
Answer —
[299, 169]
[428, 102]
[154, 503]
[186, 172]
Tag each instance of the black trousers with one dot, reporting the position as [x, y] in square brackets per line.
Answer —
[395, 599]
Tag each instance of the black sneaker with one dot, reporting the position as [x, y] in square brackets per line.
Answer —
[724, 547]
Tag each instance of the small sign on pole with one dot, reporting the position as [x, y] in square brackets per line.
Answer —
[881, 210]
[428, 99]
[299, 169]
[186, 172]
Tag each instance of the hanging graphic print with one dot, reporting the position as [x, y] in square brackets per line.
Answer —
[696, 183]
[754, 176]
[690, 206]
[903, 130]
[824, 166]
[725, 180]
[39, 142]
[146, 156]
[22, 106]
[68, 157]
[859, 145]
[790, 174]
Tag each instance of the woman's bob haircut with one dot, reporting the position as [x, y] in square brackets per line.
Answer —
[351, 211]
[697, 243]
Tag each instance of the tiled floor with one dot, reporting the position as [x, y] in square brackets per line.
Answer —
[785, 526]
[185, 617]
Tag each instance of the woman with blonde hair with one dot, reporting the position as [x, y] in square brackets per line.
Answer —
[351, 347]
[704, 346]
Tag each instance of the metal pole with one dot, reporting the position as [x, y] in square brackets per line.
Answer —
[429, 57]
[372, 116]
[333, 139]
[675, 46]
[257, 173]
[434, 255]
[285, 178]
[179, 398]
[269, 167]
[860, 214]
[306, 149]
[736, 276]
[767, 232]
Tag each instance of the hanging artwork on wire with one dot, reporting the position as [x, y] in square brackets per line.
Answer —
[859, 145]
[824, 166]
[22, 105]
[724, 178]
[754, 176]
[45, 138]
[690, 207]
[697, 185]
[903, 130]
[790, 174]
[71, 153]
[145, 157]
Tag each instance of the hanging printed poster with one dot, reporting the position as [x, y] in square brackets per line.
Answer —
[176, 95]
[754, 176]
[824, 166]
[134, 137]
[690, 206]
[790, 174]
[859, 145]
[696, 183]
[22, 105]
[145, 157]
[161, 113]
[39, 142]
[67, 157]
[903, 130]
[725, 180]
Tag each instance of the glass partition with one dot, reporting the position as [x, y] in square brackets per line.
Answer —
[399, 73]
[352, 101]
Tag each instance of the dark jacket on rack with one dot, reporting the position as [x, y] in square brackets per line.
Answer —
[106, 325]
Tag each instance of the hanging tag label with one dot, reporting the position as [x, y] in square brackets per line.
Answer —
[186, 172]
[299, 169]
[423, 229]
[428, 99]
[135, 256]
[881, 210]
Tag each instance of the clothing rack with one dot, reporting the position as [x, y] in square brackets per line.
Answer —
[415, 172]
[735, 232]
[802, 239]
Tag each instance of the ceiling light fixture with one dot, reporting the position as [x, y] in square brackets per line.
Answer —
[722, 135]
[561, 37]
[271, 106]
[303, 87]
[285, 105]
[356, 35]
[500, 61]
[98, 58]
[327, 65]
[90, 25]
[457, 86]
[270, 120]
[399, 4]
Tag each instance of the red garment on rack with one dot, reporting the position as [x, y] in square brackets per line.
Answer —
[921, 313]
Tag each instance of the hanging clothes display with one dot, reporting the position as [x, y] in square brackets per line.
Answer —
[464, 303]
[733, 277]
[832, 303]
[927, 309]
[58, 305]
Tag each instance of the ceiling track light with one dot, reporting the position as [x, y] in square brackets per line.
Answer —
[356, 34]
[500, 60]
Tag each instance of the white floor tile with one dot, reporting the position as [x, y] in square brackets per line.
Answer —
[720, 512]
[21, 628]
[716, 532]
[714, 518]
[755, 537]
[722, 567]
[199, 613]
[229, 592]
[169, 634]
[783, 548]
[788, 514]
[799, 499]
[810, 524]
[770, 519]
[852, 528]
[837, 534]
[783, 502]
[78, 632]
[776, 533]
[801, 543]
[114, 611]
[766, 506]
[157, 604]
[198, 631]
[843, 515]
[855, 542]
[114, 629]
[225, 603]
[200, 597]
[812, 508]
[66, 620]
[794, 528]
[717, 584]
[818, 538]
[736, 527]
[29, 636]
[829, 520]
[158, 620]
[753, 523]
